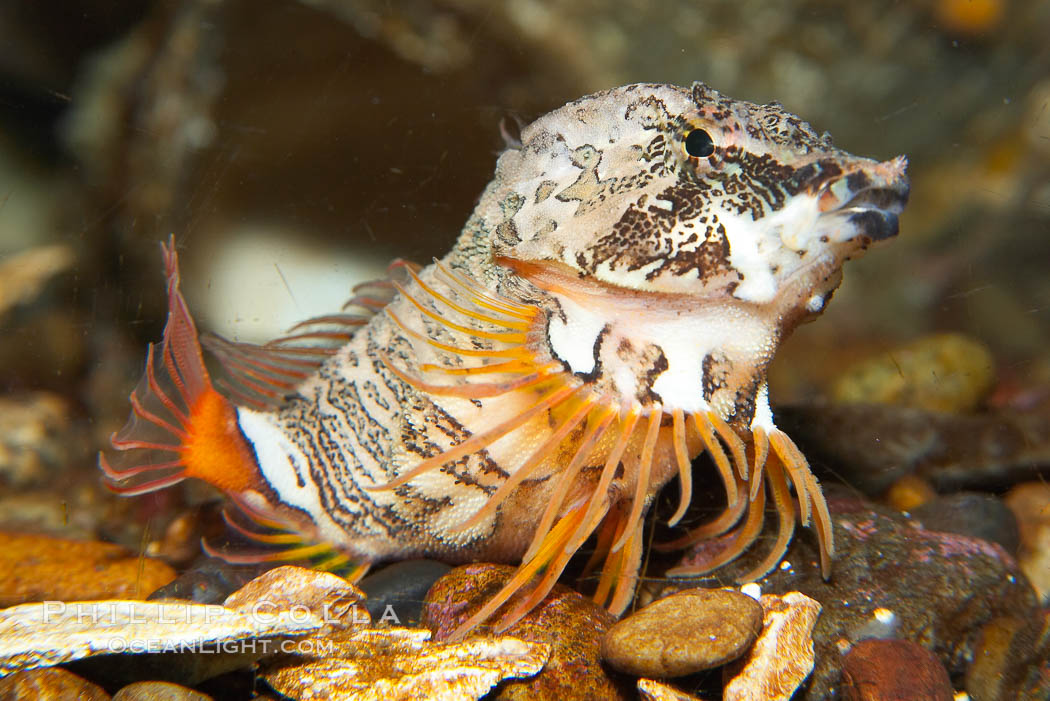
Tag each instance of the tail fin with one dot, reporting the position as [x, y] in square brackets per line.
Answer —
[179, 425]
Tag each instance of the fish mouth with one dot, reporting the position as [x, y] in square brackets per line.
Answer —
[870, 198]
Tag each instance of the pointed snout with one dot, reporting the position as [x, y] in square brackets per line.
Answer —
[871, 195]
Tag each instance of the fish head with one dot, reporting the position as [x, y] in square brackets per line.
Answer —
[662, 217]
[657, 188]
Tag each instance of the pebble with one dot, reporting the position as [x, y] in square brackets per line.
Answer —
[1030, 504]
[894, 670]
[972, 514]
[327, 596]
[871, 446]
[180, 545]
[167, 640]
[1012, 660]
[209, 581]
[35, 439]
[158, 691]
[946, 372]
[909, 492]
[39, 568]
[891, 578]
[569, 622]
[24, 274]
[687, 632]
[404, 664]
[969, 18]
[41, 511]
[782, 657]
[399, 589]
[49, 684]
[653, 690]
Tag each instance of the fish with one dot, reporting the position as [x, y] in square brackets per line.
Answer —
[608, 314]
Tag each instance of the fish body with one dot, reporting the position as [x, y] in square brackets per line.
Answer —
[607, 314]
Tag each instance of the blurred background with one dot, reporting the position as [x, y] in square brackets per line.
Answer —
[293, 147]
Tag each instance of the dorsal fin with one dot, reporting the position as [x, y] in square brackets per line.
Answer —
[260, 376]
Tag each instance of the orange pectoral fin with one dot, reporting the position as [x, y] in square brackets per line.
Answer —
[179, 425]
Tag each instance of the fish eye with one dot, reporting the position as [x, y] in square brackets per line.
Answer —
[698, 143]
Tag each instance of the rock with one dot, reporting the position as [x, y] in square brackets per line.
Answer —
[73, 514]
[909, 492]
[968, 18]
[35, 440]
[894, 670]
[326, 596]
[39, 568]
[24, 274]
[689, 631]
[870, 446]
[1030, 503]
[209, 581]
[403, 664]
[49, 684]
[652, 690]
[158, 691]
[973, 514]
[173, 640]
[570, 623]
[1012, 660]
[782, 657]
[180, 546]
[398, 589]
[51, 349]
[942, 372]
[892, 579]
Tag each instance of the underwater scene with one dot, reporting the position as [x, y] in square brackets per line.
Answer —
[535, 349]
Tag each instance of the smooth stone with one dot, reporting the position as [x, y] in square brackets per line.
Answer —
[35, 440]
[158, 691]
[652, 690]
[49, 683]
[1012, 660]
[42, 568]
[893, 579]
[209, 581]
[894, 670]
[398, 590]
[569, 622]
[951, 452]
[946, 372]
[909, 493]
[331, 598]
[973, 514]
[689, 631]
[1030, 504]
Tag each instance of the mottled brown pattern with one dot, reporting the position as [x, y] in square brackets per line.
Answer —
[607, 314]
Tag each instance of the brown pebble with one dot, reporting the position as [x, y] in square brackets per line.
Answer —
[42, 568]
[328, 596]
[571, 623]
[49, 683]
[1030, 503]
[1011, 660]
[158, 691]
[940, 372]
[894, 670]
[909, 492]
[687, 632]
